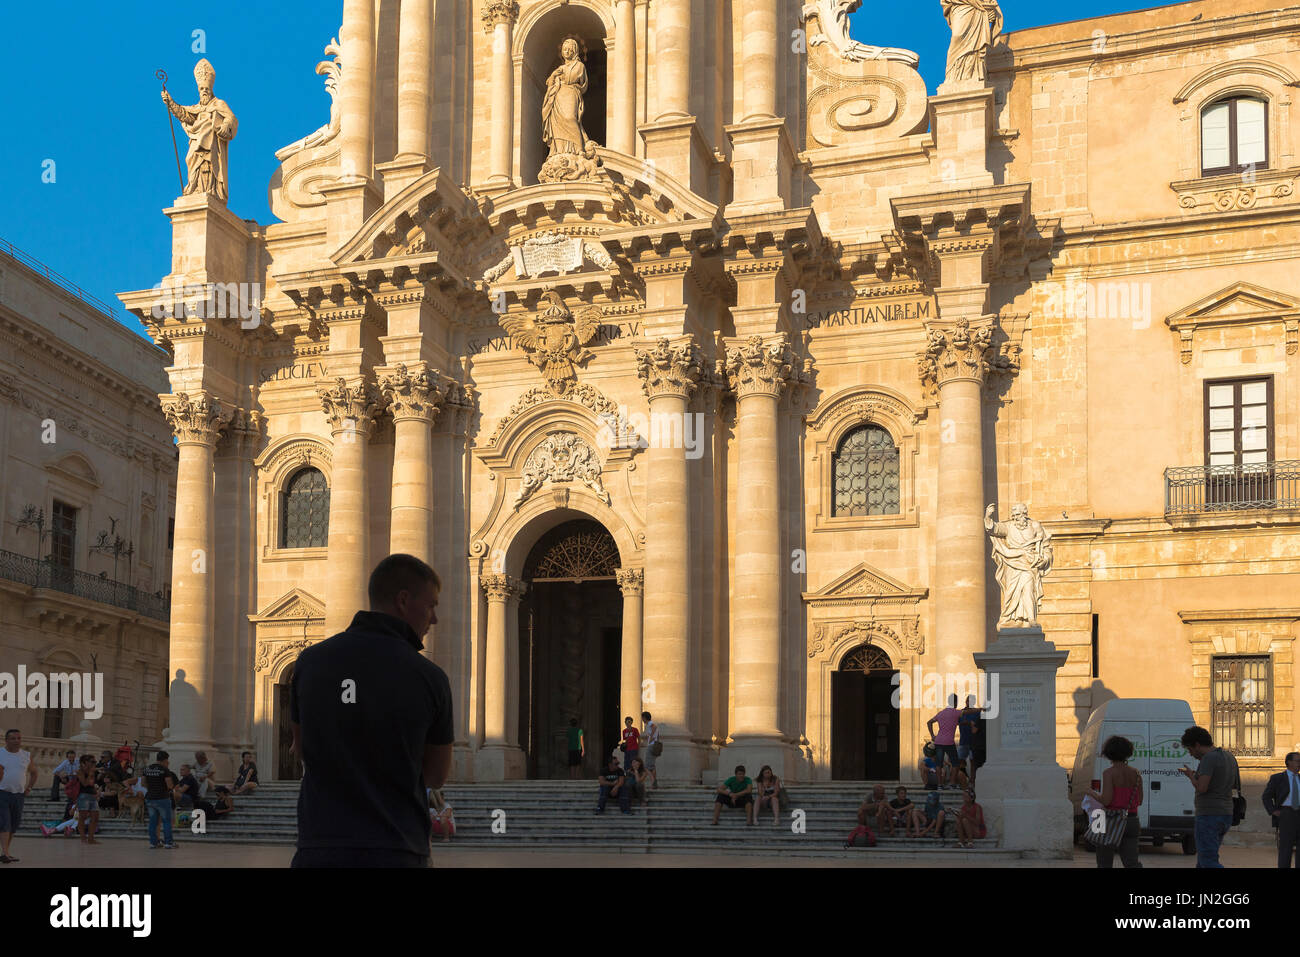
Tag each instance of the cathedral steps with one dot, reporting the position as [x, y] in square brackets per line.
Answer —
[559, 816]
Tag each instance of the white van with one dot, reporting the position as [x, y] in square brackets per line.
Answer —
[1155, 726]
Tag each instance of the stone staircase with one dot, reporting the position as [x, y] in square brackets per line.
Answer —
[558, 816]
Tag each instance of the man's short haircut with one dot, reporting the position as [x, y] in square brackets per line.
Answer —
[952, 701]
[646, 715]
[1291, 755]
[162, 756]
[740, 769]
[12, 731]
[399, 573]
[573, 722]
[244, 754]
[1197, 735]
[1117, 748]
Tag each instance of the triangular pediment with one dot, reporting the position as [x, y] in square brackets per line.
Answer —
[865, 582]
[295, 605]
[1240, 302]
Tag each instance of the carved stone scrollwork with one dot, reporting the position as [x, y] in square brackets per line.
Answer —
[669, 370]
[562, 457]
[500, 587]
[756, 368]
[193, 418]
[957, 353]
[350, 408]
[631, 581]
[413, 395]
[499, 11]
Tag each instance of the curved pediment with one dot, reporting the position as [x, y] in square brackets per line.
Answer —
[77, 467]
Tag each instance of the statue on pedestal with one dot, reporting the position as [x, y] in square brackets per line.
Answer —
[572, 153]
[1022, 551]
[833, 18]
[975, 24]
[210, 125]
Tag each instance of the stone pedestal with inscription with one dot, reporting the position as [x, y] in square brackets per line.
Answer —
[1022, 789]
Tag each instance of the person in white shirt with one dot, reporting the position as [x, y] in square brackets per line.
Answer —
[1282, 802]
[17, 777]
[651, 746]
[202, 770]
[62, 772]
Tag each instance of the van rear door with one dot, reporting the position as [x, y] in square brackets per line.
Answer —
[1169, 795]
[1135, 731]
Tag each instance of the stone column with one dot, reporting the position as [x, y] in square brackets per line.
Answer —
[500, 759]
[350, 411]
[758, 373]
[672, 31]
[669, 374]
[758, 47]
[414, 104]
[955, 363]
[632, 583]
[499, 18]
[623, 134]
[195, 419]
[356, 133]
[763, 154]
[413, 400]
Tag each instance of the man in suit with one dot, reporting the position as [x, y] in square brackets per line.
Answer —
[1282, 801]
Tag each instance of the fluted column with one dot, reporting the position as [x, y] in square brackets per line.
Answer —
[356, 131]
[499, 18]
[414, 103]
[350, 411]
[758, 373]
[623, 136]
[669, 374]
[413, 398]
[632, 583]
[956, 363]
[672, 29]
[195, 418]
[500, 591]
[759, 50]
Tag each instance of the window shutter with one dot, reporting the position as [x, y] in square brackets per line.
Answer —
[1214, 137]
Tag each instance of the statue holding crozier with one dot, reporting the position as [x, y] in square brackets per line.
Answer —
[211, 125]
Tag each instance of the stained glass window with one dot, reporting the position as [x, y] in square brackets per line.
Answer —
[866, 473]
[305, 511]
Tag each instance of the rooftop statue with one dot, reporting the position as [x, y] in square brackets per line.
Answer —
[833, 18]
[976, 25]
[210, 124]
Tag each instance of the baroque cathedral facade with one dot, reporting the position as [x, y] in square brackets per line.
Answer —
[689, 342]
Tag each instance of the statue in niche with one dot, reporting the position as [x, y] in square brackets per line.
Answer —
[833, 18]
[210, 125]
[976, 25]
[572, 154]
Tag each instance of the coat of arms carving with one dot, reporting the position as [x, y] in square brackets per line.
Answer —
[556, 340]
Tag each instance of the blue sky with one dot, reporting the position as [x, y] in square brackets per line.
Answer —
[78, 89]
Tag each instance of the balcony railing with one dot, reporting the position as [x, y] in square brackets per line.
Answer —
[1206, 489]
[44, 574]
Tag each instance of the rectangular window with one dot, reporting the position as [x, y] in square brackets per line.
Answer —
[171, 533]
[53, 723]
[1241, 704]
[1251, 145]
[1215, 150]
[63, 537]
[1239, 442]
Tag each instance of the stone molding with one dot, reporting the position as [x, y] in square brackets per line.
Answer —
[412, 394]
[832, 640]
[759, 368]
[350, 408]
[499, 587]
[631, 581]
[671, 370]
[195, 418]
[1241, 304]
[1232, 191]
[585, 395]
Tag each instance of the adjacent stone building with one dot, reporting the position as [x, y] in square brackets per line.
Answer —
[689, 340]
[87, 489]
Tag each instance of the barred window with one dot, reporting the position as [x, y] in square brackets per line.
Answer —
[1241, 704]
[866, 473]
[305, 511]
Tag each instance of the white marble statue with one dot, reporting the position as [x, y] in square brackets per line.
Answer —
[1022, 552]
[976, 25]
[211, 125]
[562, 109]
[833, 18]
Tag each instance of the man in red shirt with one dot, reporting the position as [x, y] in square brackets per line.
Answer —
[631, 744]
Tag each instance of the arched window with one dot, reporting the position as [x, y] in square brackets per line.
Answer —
[1234, 136]
[866, 473]
[305, 510]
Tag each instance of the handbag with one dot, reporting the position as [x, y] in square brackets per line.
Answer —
[657, 748]
[1116, 824]
[1238, 803]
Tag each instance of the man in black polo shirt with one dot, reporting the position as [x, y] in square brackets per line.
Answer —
[372, 724]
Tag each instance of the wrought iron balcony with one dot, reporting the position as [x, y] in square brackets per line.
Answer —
[45, 574]
[1208, 489]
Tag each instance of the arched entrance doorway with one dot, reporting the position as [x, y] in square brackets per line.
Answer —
[864, 721]
[570, 647]
[287, 767]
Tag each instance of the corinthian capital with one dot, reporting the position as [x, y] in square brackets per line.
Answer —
[956, 353]
[669, 370]
[499, 11]
[196, 417]
[500, 587]
[413, 395]
[755, 368]
[631, 581]
[350, 408]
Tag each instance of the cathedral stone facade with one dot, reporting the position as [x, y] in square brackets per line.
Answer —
[689, 342]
